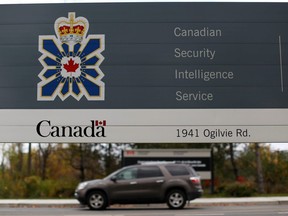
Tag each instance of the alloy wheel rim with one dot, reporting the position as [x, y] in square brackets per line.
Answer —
[96, 201]
[176, 200]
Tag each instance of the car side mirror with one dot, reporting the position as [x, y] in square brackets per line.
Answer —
[113, 178]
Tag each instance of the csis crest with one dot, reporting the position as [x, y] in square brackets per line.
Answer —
[71, 61]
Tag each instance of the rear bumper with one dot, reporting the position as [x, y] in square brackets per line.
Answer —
[194, 195]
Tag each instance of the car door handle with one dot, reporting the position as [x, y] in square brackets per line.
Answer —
[159, 181]
[133, 183]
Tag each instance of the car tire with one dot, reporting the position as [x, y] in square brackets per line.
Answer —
[97, 200]
[176, 199]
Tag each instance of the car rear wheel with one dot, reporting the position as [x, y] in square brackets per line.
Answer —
[176, 199]
[97, 200]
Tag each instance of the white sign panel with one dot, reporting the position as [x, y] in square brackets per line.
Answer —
[137, 125]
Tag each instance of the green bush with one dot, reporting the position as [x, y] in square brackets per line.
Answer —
[5, 189]
[35, 187]
[238, 190]
[54, 189]
[32, 183]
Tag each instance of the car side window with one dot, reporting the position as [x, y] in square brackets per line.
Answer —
[177, 170]
[149, 172]
[127, 174]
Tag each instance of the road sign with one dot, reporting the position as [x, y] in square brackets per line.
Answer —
[199, 159]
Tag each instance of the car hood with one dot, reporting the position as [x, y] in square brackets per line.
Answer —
[95, 181]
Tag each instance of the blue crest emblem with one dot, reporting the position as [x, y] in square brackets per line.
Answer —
[71, 62]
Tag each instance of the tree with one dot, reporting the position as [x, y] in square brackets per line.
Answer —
[110, 155]
[233, 162]
[3, 150]
[84, 158]
[45, 150]
[29, 160]
[20, 157]
[260, 178]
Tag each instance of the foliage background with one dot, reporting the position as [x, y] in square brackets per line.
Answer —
[46, 170]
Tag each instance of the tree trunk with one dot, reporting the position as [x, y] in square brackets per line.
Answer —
[233, 162]
[20, 161]
[260, 179]
[29, 160]
[82, 167]
[45, 153]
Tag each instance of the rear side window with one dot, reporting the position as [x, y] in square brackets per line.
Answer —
[149, 172]
[177, 170]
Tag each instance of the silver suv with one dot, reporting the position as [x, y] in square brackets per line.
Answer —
[173, 184]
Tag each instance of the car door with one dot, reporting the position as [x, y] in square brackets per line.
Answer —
[124, 188]
[150, 183]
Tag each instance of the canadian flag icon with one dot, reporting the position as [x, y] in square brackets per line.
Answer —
[100, 123]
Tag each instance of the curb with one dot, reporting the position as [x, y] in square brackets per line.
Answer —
[39, 203]
[245, 201]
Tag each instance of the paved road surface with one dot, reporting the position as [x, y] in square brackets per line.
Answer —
[154, 210]
[198, 202]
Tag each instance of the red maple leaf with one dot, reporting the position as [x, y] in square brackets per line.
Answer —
[71, 66]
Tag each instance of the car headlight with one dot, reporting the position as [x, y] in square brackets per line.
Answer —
[82, 185]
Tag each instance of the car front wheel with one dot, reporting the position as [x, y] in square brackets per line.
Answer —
[176, 199]
[97, 200]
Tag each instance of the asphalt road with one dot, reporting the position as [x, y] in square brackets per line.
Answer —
[266, 210]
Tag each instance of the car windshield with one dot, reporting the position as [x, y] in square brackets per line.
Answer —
[113, 174]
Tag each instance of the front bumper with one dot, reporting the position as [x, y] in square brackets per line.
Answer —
[80, 198]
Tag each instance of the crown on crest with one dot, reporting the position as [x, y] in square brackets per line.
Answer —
[71, 29]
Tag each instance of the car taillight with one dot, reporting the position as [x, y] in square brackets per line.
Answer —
[195, 180]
